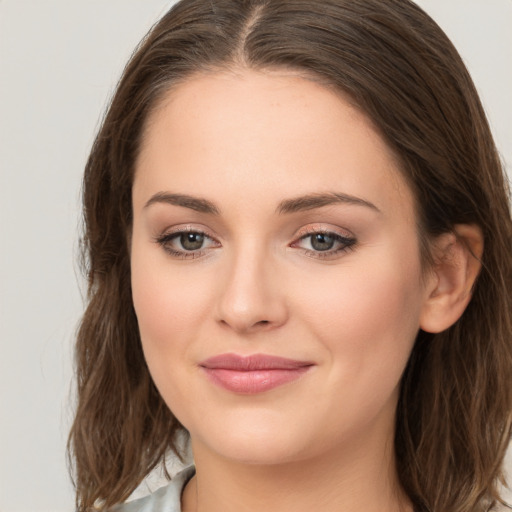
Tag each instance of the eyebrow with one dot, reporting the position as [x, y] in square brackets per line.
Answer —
[312, 201]
[293, 205]
[194, 203]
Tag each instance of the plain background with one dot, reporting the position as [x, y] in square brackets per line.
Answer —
[59, 62]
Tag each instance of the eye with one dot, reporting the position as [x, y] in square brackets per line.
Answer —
[186, 243]
[322, 241]
[324, 244]
[191, 241]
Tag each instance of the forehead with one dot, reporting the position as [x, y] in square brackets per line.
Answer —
[276, 133]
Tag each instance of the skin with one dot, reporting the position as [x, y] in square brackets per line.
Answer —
[248, 141]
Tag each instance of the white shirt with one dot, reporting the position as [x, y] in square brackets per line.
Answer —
[165, 499]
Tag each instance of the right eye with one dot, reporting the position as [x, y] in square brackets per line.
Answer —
[186, 244]
[191, 241]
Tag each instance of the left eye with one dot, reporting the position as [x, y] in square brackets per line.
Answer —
[324, 242]
[191, 241]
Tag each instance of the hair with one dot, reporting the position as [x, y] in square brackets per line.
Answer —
[453, 420]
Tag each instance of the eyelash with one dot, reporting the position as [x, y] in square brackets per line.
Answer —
[166, 239]
[346, 244]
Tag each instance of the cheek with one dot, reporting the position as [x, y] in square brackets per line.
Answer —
[169, 306]
[367, 318]
[363, 298]
[164, 306]
[168, 300]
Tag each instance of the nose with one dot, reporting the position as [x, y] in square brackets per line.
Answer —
[251, 297]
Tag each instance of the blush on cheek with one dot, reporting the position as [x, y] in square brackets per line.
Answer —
[369, 320]
[164, 299]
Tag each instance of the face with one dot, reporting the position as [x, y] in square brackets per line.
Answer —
[275, 267]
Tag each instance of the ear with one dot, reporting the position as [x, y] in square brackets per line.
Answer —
[457, 263]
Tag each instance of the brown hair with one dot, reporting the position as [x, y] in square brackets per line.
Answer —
[454, 411]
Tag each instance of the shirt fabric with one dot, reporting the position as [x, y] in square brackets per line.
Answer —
[165, 499]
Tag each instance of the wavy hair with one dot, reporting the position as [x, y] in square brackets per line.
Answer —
[453, 421]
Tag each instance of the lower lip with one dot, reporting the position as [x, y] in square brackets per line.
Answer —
[254, 381]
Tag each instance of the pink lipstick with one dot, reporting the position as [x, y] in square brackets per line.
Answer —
[253, 374]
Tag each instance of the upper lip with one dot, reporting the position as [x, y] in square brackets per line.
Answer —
[253, 362]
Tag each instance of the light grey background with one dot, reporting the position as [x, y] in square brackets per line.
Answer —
[59, 61]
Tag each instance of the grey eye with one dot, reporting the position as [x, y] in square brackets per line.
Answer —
[191, 241]
[322, 241]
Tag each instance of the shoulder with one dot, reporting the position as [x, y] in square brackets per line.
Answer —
[165, 499]
[501, 507]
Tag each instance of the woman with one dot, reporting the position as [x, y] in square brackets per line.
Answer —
[298, 240]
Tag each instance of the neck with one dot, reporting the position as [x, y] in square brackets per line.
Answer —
[355, 479]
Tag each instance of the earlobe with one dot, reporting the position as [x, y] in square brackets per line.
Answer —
[457, 257]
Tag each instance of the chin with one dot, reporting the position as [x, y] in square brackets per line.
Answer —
[256, 442]
[264, 452]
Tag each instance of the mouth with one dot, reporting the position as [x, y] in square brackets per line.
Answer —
[253, 374]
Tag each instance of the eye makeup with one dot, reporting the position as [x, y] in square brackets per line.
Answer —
[186, 242]
[192, 243]
[324, 244]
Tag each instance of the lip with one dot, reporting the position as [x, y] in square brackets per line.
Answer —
[253, 374]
